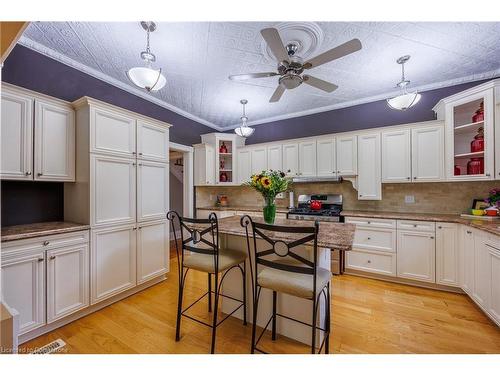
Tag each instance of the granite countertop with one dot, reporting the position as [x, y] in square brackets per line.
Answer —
[18, 232]
[491, 226]
[337, 236]
[240, 208]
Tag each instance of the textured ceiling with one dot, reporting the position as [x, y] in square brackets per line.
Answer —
[198, 57]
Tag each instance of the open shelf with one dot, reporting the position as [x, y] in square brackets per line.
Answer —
[469, 128]
[469, 155]
[225, 154]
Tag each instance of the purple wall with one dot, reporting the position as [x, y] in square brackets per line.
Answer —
[34, 71]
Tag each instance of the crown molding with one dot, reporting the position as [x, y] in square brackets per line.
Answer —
[40, 48]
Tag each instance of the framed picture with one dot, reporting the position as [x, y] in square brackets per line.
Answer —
[479, 204]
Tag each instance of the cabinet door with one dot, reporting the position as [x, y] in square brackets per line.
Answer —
[291, 159]
[325, 157]
[112, 191]
[152, 190]
[204, 165]
[152, 141]
[467, 267]
[481, 290]
[275, 157]
[113, 261]
[23, 287]
[427, 154]
[396, 157]
[416, 255]
[112, 133]
[347, 156]
[447, 257]
[67, 280]
[494, 282]
[307, 158]
[152, 250]
[210, 165]
[259, 159]
[54, 142]
[16, 162]
[244, 165]
[369, 170]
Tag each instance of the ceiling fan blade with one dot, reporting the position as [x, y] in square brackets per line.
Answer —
[273, 40]
[241, 77]
[333, 54]
[319, 83]
[277, 94]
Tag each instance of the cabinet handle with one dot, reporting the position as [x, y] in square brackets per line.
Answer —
[487, 175]
[289, 171]
[39, 174]
[52, 257]
[368, 261]
[440, 227]
[431, 237]
[414, 178]
[40, 259]
[140, 164]
[469, 232]
[140, 153]
[133, 164]
[133, 152]
[368, 238]
[408, 178]
[46, 243]
[140, 227]
[134, 228]
[414, 225]
[360, 195]
[28, 173]
[369, 222]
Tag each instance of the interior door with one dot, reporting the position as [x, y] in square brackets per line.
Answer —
[396, 156]
[152, 141]
[112, 133]
[16, 161]
[67, 281]
[427, 154]
[416, 255]
[113, 190]
[325, 162]
[152, 190]
[275, 157]
[307, 158]
[347, 156]
[54, 142]
[152, 250]
[291, 159]
[369, 169]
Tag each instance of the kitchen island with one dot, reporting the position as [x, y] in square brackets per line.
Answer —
[331, 236]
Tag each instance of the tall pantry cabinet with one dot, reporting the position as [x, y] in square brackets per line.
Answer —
[122, 191]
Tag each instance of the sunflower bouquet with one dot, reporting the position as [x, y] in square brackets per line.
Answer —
[269, 183]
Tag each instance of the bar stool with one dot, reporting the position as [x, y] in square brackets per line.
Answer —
[200, 251]
[278, 268]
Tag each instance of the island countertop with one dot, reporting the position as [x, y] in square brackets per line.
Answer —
[336, 236]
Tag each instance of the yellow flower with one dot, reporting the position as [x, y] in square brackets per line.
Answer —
[266, 182]
[255, 178]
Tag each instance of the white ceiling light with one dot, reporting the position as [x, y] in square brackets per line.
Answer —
[406, 99]
[244, 130]
[146, 77]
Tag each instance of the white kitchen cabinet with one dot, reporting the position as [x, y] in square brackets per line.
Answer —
[244, 163]
[326, 157]
[152, 141]
[467, 259]
[54, 142]
[275, 157]
[347, 155]
[152, 190]
[67, 280]
[23, 285]
[113, 261]
[369, 168]
[396, 156]
[372, 261]
[113, 190]
[494, 281]
[427, 153]
[307, 158]
[112, 132]
[16, 161]
[447, 254]
[481, 287]
[291, 159]
[152, 250]
[258, 157]
[416, 255]
[204, 164]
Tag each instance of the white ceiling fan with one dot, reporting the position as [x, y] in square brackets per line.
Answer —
[291, 66]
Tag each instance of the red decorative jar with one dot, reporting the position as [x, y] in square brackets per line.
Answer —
[223, 148]
[475, 166]
[457, 171]
[223, 177]
[477, 145]
[479, 115]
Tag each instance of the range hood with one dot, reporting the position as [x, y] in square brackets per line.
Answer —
[318, 179]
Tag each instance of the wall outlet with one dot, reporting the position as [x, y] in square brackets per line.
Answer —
[280, 195]
[409, 199]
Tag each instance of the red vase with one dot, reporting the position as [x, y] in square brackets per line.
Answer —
[223, 177]
[475, 166]
[479, 115]
[223, 149]
[457, 170]
[477, 145]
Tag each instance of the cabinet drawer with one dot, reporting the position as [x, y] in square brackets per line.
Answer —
[421, 226]
[371, 222]
[376, 262]
[375, 239]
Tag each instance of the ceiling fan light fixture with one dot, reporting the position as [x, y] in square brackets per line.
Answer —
[146, 77]
[406, 99]
[244, 130]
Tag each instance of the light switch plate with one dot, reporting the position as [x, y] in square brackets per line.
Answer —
[280, 195]
[409, 199]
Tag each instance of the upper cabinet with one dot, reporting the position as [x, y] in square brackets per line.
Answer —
[427, 153]
[152, 141]
[347, 155]
[291, 159]
[258, 159]
[38, 137]
[307, 158]
[244, 164]
[275, 157]
[326, 157]
[204, 164]
[369, 169]
[17, 136]
[396, 156]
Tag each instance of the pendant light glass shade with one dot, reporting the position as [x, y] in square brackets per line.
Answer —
[406, 99]
[244, 130]
[147, 78]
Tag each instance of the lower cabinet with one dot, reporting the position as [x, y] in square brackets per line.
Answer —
[113, 267]
[372, 261]
[152, 250]
[494, 281]
[447, 254]
[416, 255]
[467, 259]
[480, 289]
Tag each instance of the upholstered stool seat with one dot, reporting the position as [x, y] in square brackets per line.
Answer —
[205, 262]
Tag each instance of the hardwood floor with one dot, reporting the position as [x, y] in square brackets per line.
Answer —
[368, 316]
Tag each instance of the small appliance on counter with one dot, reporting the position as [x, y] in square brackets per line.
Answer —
[222, 201]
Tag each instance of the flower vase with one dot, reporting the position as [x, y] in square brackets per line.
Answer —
[269, 211]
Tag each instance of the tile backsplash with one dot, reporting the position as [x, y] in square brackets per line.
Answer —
[437, 197]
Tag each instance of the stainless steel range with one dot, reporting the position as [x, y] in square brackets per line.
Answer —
[321, 207]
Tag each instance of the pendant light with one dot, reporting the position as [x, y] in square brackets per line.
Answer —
[244, 130]
[146, 77]
[406, 99]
